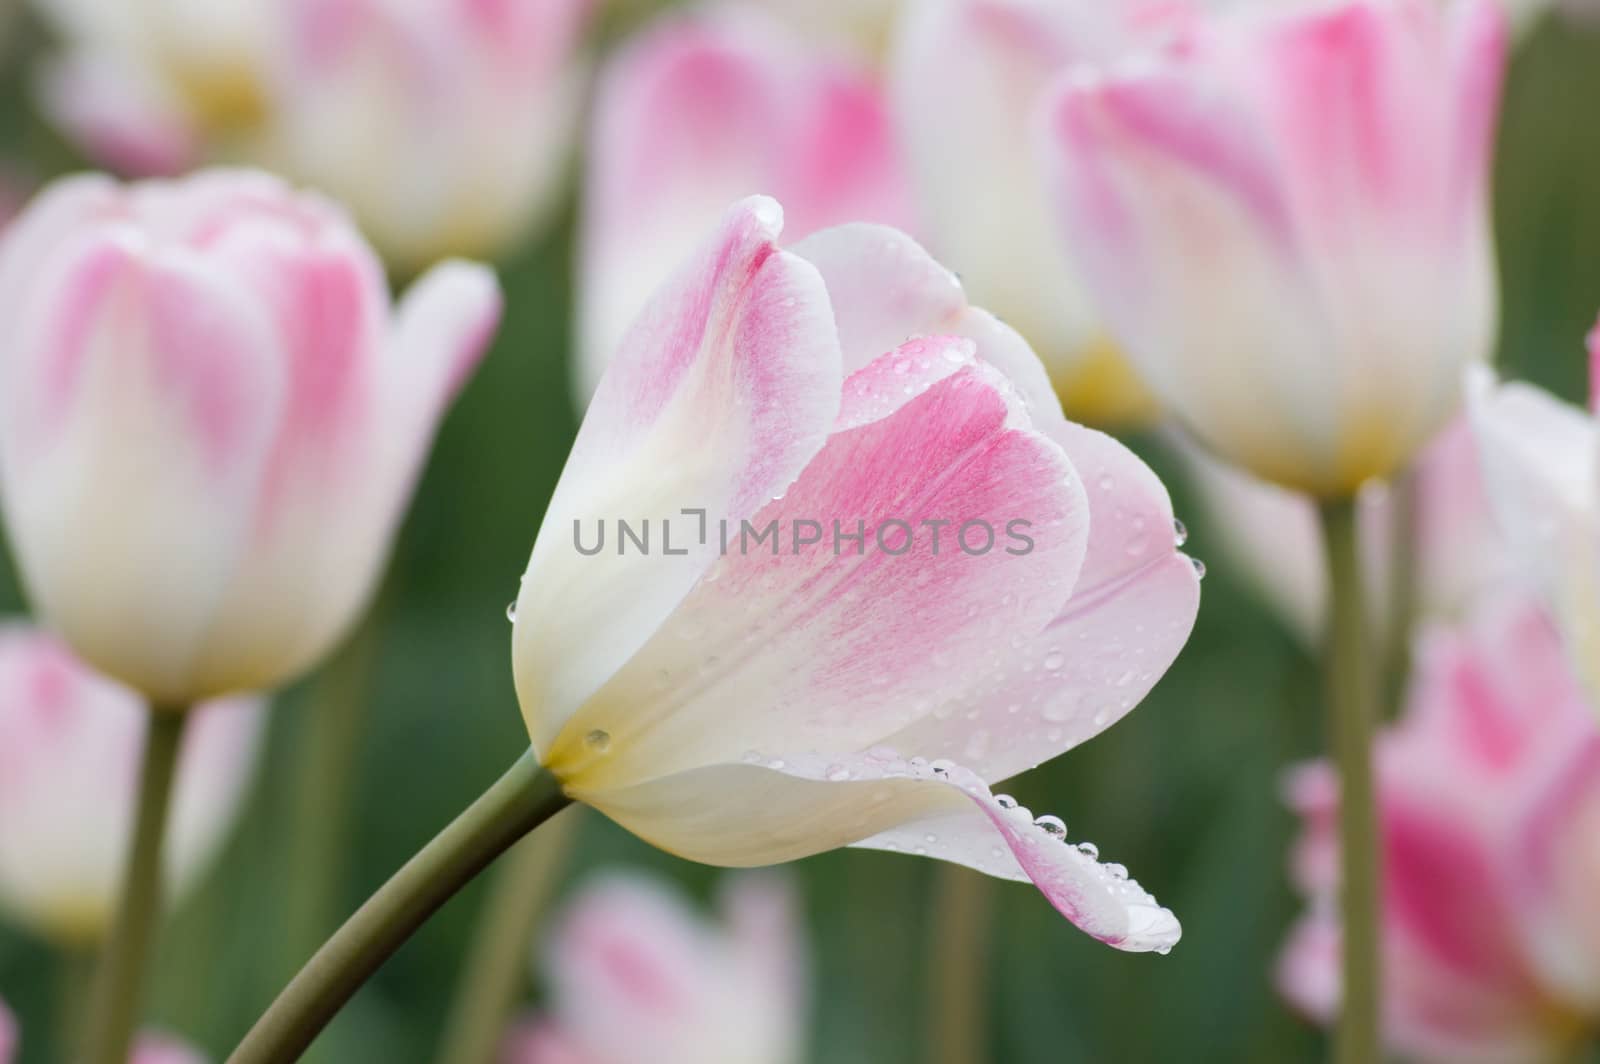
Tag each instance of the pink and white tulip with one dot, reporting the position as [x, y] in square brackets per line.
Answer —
[699, 110]
[1287, 214]
[148, 87]
[970, 81]
[70, 744]
[211, 418]
[635, 973]
[756, 707]
[446, 125]
[1489, 808]
[1541, 464]
[1271, 535]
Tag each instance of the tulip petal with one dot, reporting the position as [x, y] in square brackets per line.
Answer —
[767, 810]
[140, 410]
[804, 640]
[734, 370]
[442, 330]
[1131, 611]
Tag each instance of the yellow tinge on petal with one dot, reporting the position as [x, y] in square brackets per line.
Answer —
[1100, 387]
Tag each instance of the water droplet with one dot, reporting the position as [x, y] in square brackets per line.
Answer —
[1180, 533]
[1106, 483]
[1199, 568]
[598, 740]
[942, 767]
[1117, 871]
[930, 837]
[1005, 801]
[777, 764]
[1089, 850]
[1053, 826]
[838, 773]
[1054, 660]
[511, 611]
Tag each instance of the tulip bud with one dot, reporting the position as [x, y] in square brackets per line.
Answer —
[698, 111]
[1288, 221]
[636, 974]
[70, 744]
[210, 421]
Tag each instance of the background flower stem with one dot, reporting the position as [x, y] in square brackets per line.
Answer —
[519, 801]
[958, 975]
[1401, 604]
[1352, 688]
[114, 1009]
[496, 969]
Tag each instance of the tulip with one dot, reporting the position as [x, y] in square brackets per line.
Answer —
[1489, 790]
[144, 87]
[969, 80]
[801, 692]
[1271, 535]
[792, 697]
[210, 419]
[1541, 465]
[1288, 217]
[861, 25]
[444, 124]
[636, 974]
[69, 761]
[699, 110]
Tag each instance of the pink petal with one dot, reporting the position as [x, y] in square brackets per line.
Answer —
[442, 329]
[1594, 368]
[1131, 611]
[779, 809]
[118, 117]
[795, 646]
[735, 368]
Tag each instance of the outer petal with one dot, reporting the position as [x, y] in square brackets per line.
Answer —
[140, 406]
[702, 109]
[807, 642]
[1541, 464]
[734, 369]
[1131, 611]
[968, 78]
[119, 116]
[765, 811]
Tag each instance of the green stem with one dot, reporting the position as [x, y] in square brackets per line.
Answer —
[958, 980]
[115, 1006]
[496, 969]
[1352, 706]
[519, 801]
[1402, 590]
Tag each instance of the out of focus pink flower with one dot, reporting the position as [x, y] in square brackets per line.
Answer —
[1287, 217]
[1271, 535]
[445, 125]
[70, 744]
[1541, 464]
[1489, 799]
[634, 973]
[210, 421]
[860, 676]
[970, 81]
[699, 110]
[861, 25]
[150, 1049]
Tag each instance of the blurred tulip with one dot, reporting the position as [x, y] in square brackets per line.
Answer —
[699, 110]
[210, 420]
[760, 707]
[70, 742]
[142, 86]
[636, 974]
[1489, 791]
[8, 1035]
[861, 25]
[1541, 465]
[970, 80]
[1289, 224]
[444, 124]
[1272, 536]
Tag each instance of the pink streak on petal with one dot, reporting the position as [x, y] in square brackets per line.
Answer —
[878, 390]
[1594, 368]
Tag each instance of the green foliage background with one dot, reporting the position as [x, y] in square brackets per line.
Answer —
[1185, 791]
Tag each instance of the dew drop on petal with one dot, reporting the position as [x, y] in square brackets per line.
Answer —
[1054, 660]
[1053, 826]
[511, 611]
[1005, 801]
[838, 773]
[1089, 850]
[942, 767]
[598, 740]
[1199, 568]
[1180, 533]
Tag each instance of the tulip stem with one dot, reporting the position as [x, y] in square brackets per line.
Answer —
[519, 801]
[496, 969]
[958, 977]
[1352, 686]
[114, 1008]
